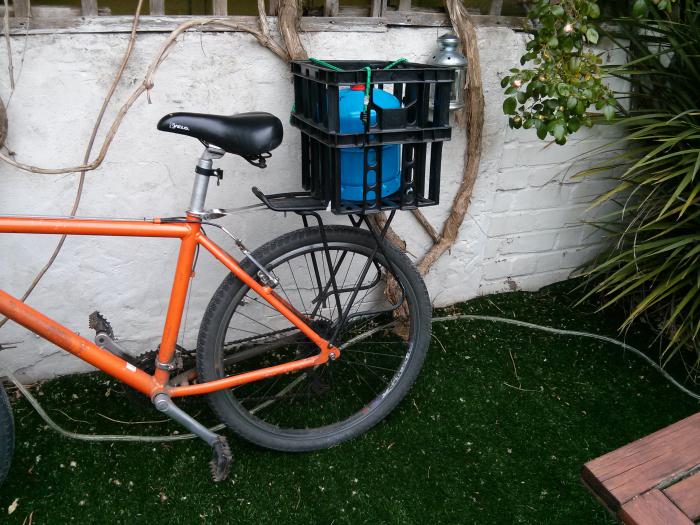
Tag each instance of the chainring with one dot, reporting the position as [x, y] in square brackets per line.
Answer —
[99, 323]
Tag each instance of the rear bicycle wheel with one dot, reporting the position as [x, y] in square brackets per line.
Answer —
[7, 434]
[317, 407]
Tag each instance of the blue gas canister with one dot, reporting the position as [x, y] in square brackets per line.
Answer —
[352, 160]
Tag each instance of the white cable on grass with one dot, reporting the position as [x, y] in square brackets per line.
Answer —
[574, 333]
[95, 437]
[181, 437]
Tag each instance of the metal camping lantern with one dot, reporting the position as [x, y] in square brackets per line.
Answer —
[448, 55]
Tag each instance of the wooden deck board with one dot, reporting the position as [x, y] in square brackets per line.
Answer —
[652, 508]
[686, 495]
[641, 466]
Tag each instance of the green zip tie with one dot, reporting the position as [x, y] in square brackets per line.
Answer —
[325, 64]
[396, 63]
[366, 68]
[367, 86]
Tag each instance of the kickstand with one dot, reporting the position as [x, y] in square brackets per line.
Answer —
[220, 464]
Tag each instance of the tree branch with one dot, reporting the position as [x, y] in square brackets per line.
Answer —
[264, 38]
[288, 21]
[473, 117]
[423, 221]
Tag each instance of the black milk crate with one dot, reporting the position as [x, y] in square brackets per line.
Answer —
[419, 126]
[424, 92]
[320, 175]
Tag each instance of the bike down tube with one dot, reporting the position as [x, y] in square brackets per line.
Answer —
[186, 231]
[58, 334]
[78, 346]
[281, 306]
[104, 360]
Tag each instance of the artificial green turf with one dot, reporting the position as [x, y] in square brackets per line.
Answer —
[473, 443]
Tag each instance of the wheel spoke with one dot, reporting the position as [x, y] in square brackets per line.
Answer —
[372, 358]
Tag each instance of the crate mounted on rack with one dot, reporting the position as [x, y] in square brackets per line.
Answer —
[371, 146]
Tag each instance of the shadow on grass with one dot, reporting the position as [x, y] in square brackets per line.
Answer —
[495, 431]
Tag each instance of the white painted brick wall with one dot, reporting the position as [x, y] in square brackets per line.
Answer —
[524, 228]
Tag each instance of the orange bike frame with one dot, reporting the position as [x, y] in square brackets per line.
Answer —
[191, 235]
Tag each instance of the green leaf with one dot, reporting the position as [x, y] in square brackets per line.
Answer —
[563, 89]
[559, 131]
[571, 103]
[592, 35]
[593, 10]
[609, 112]
[567, 44]
[553, 42]
[547, 21]
[557, 11]
[509, 106]
[639, 8]
[521, 97]
[573, 125]
[505, 81]
[542, 132]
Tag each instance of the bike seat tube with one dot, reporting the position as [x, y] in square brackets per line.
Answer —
[201, 181]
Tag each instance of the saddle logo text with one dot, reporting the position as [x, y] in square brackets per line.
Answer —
[178, 126]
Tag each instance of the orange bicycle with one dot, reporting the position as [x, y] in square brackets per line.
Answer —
[300, 347]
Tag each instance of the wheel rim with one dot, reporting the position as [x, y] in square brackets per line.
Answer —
[335, 396]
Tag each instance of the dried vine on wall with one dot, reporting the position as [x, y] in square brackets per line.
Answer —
[293, 49]
[473, 118]
[263, 36]
[88, 150]
[3, 123]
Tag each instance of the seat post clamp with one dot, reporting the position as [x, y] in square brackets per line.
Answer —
[168, 367]
[218, 173]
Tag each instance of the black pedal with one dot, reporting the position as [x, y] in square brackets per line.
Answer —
[220, 463]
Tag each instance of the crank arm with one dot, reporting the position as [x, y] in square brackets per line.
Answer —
[105, 341]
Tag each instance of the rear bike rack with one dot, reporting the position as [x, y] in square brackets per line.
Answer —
[304, 205]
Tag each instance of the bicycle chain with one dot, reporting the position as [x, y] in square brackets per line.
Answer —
[228, 345]
[146, 362]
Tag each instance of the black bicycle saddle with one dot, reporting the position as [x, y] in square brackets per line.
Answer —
[246, 134]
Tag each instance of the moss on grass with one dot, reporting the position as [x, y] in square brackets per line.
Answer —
[495, 431]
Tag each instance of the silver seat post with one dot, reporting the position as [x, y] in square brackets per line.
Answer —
[201, 181]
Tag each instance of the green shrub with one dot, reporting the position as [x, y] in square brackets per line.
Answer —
[654, 261]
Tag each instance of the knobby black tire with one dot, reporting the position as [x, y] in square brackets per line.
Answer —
[7, 435]
[219, 313]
